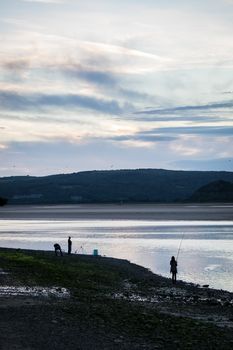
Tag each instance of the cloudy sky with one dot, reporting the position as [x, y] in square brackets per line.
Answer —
[106, 84]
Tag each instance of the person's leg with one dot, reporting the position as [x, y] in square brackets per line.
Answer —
[173, 277]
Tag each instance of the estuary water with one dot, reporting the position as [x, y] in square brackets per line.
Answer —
[147, 235]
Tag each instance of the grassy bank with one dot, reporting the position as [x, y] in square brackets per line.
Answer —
[112, 305]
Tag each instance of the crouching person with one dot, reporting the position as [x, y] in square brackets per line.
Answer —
[57, 249]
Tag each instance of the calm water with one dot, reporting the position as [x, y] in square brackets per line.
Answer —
[206, 254]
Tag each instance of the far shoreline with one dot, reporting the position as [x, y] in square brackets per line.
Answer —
[136, 211]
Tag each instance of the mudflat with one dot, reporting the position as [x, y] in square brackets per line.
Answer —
[119, 212]
[93, 302]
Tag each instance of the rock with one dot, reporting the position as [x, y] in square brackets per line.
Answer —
[212, 301]
[196, 297]
[118, 340]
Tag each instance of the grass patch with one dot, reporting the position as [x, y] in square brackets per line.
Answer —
[83, 277]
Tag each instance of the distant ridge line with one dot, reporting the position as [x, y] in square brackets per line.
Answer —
[109, 186]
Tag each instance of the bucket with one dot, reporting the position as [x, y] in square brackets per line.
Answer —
[95, 252]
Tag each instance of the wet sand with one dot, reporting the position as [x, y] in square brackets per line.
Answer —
[119, 212]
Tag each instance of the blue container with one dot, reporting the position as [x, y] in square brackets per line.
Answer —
[95, 252]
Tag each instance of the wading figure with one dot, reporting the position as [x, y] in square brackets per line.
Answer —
[69, 245]
[173, 268]
[57, 249]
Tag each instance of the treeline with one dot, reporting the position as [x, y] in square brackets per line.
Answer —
[3, 201]
[116, 186]
[217, 191]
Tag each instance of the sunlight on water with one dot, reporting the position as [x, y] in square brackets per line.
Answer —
[206, 255]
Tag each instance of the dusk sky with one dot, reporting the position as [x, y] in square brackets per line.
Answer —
[106, 84]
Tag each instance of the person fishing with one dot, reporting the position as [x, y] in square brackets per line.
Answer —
[173, 269]
[57, 249]
[174, 262]
[69, 245]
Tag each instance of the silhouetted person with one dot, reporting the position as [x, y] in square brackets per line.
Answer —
[69, 245]
[173, 269]
[57, 249]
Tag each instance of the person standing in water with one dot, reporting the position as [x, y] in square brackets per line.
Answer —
[69, 245]
[173, 269]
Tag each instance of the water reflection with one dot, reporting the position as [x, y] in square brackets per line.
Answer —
[206, 255]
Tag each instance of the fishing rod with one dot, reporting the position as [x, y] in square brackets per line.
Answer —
[81, 249]
[179, 247]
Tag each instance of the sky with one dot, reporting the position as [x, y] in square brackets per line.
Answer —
[106, 84]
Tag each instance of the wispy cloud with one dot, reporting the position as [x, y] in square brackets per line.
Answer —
[226, 164]
[194, 130]
[16, 64]
[143, 137]
[87, 73]
[171, 134]
[194, 119]
[116, 78]
[13, 100]
[21, 23]
[201, 107]
[68, 53]
[99, 79]
[46, 1]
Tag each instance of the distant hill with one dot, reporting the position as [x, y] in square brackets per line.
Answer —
[115, 186]
[3, 201]
[217, 191]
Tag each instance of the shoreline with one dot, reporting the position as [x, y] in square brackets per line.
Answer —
[112, 304]
[80, 219]
[186, 212]
[119, 262]
[188, 284]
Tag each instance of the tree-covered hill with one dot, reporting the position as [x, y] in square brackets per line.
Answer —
[115, 186]
[217, 191]
[3, 201]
